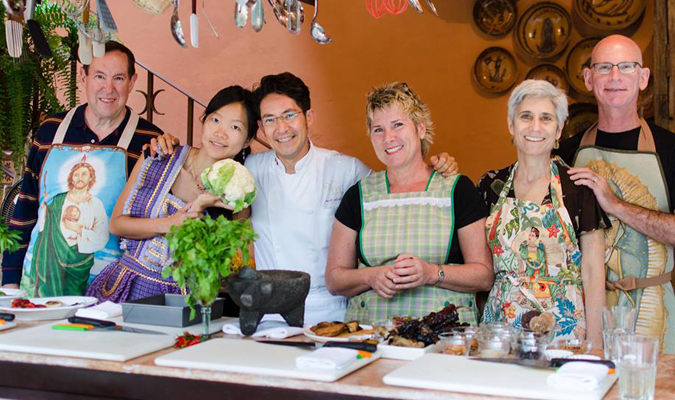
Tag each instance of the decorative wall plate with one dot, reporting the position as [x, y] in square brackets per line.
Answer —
[581, 117]
[551, 73]
[544, 30]
[610, 15]
[495, 70]
[495, 17]
[578, 59]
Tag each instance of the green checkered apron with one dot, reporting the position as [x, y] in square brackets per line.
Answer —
[418, 223]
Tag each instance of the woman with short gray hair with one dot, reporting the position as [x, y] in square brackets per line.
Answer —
[539, 223]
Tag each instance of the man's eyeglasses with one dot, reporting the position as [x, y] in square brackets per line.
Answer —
[626, 67]
[287, 117]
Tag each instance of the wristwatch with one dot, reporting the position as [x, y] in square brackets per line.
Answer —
[441, 275]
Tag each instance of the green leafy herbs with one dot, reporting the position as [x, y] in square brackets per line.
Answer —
[204, 250]
[9, 238]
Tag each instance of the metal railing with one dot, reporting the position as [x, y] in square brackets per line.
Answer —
[151, 95]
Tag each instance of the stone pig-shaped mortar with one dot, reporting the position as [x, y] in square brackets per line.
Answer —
[268, 292]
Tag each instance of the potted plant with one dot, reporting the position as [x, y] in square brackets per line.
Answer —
[206, 251]
[28, 85]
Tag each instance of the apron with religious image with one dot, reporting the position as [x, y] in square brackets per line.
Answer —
[79, 186]
[637, 178]
[536, 259]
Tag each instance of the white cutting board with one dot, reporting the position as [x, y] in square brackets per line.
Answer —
[459, 374]
[96, 344]
[250, 357]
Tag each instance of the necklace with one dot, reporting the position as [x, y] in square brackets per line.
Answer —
[190, 170]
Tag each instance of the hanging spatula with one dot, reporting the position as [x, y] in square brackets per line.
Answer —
[194, 25]
[14, 27]
[39, 39]
[105, 16]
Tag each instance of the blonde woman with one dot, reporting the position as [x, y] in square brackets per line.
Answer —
[407, 241]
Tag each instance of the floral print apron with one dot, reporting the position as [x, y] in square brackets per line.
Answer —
[537, 261]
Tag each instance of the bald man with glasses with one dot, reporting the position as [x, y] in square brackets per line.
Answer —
[630, 165]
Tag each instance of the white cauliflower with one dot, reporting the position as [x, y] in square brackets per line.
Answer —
[232, 182]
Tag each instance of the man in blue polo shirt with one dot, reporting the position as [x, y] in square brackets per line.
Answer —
[107, 137]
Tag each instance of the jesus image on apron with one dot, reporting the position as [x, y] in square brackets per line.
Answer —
[71, 239]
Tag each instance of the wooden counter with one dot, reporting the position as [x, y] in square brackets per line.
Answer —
[29, 376]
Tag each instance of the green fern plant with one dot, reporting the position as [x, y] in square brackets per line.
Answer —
[28, 86]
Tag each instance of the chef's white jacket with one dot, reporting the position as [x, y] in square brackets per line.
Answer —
[293, 218]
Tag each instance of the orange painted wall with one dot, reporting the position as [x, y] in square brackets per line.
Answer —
[434, 55]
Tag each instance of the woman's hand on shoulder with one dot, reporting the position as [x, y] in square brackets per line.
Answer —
[412, 272]
[381, 280]
[167, 144]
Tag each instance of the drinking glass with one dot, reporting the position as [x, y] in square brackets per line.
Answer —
[636, 358]
[616, 321]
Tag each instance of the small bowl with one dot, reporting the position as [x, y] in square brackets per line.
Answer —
[576, 346]
[529, 345]
[503, 328]
[456, 343]
[493, 344]
[471, 332]
[382, 329]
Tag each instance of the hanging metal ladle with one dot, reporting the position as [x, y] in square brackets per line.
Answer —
[176, 28]
[317, 31]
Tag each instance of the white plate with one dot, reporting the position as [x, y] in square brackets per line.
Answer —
[13, 293]
[583, 357]
[7, 325]
[71, 304]
[407, 353]
[307, 332]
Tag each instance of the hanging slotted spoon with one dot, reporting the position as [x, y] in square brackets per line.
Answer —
[176, 28]
[14, 27]
[317, 31]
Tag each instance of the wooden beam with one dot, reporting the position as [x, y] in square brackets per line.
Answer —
[664, 60]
